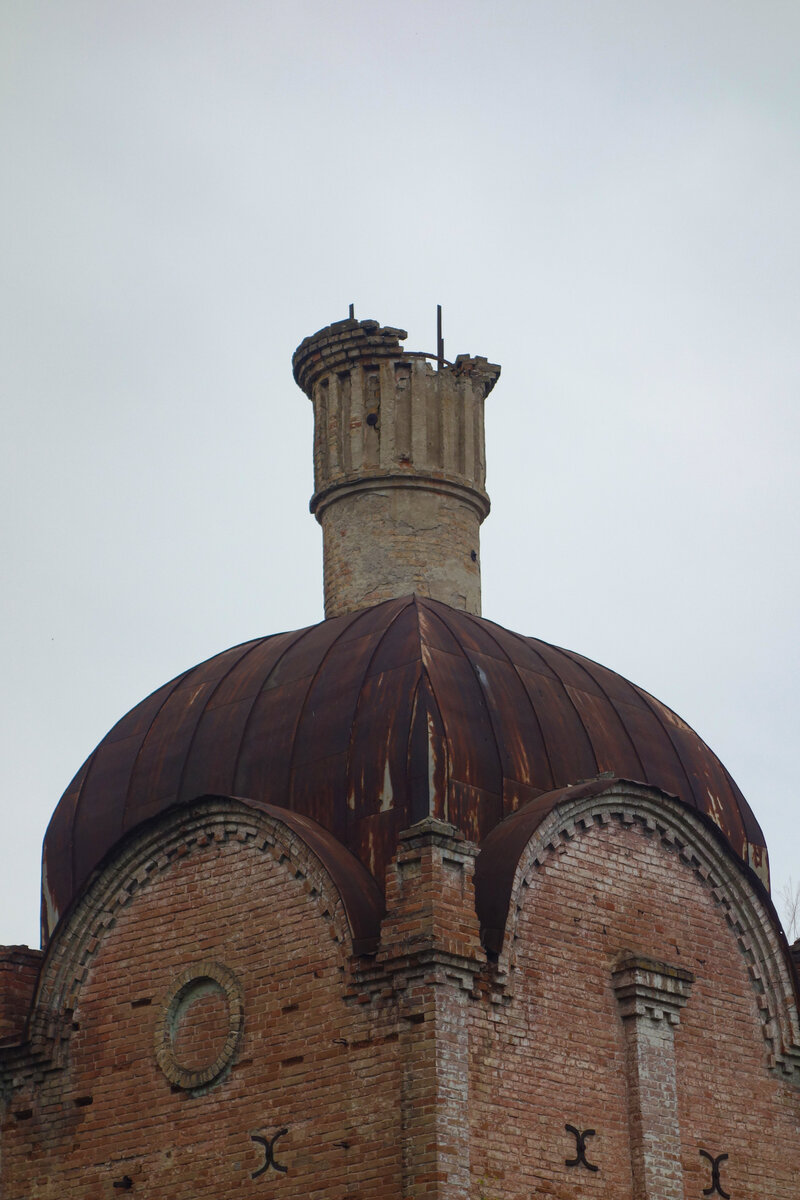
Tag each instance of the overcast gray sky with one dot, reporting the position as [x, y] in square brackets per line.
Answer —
[604, 197]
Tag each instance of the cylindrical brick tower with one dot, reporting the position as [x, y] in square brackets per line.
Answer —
[399, 466]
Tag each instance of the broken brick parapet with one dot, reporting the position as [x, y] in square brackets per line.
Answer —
[338, 344]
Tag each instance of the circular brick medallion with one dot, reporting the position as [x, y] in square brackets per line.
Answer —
[199, 1025]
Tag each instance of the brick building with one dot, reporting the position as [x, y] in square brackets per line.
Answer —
[403, 904]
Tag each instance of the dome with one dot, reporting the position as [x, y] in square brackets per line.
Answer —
[368, 722]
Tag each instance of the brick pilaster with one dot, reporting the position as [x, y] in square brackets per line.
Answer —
[431, 952]
[650, 996]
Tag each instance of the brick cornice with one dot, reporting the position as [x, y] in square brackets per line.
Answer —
[648, 988]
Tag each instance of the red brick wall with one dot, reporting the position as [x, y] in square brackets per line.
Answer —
[426, 1072]
[555, 1054]
[307, 1060]
[19, 971]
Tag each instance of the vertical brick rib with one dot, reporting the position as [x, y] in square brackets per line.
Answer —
[651, 995]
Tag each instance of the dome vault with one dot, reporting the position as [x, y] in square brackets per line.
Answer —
[398, 706]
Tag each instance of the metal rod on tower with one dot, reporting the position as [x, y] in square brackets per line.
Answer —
[439, 339]
[352, 311]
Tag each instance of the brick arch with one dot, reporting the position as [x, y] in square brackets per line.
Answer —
[746, 906]
[344, 894]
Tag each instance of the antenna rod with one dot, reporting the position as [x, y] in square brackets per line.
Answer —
[439, 339]
[352, 311]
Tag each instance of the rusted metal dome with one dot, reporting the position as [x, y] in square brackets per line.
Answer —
[368, 722]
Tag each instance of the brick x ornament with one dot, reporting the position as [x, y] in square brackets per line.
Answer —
[580, 1158]
[715, 1187]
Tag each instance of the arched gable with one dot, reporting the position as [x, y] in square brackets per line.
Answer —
[516, 848]
[343, 893]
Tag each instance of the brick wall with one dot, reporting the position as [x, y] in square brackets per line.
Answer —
[553, 1051]
[305, 1060]
[19, 971]
[203, 998]
[391, 542]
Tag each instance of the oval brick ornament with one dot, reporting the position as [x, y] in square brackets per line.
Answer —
[199, 1025]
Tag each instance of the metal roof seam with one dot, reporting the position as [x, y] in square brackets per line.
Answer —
[739, 798]
[424, 694]
[526, 693]
[73, 817]
[350, 619]
[176, 683]
[534, 643]
[251, 648]
[301, 633]
[650, 701]
[581, 662]
[400, 609]
[481, 692]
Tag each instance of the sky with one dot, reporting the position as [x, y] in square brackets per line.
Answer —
[604, 198]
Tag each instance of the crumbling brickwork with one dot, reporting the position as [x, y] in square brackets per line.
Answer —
[376, 542]
[399, 466]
